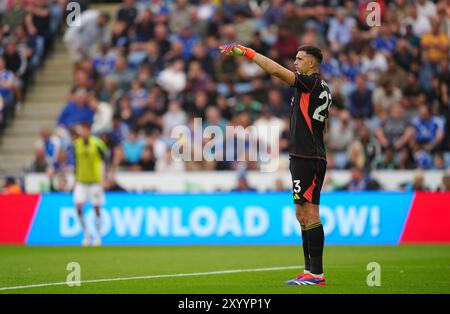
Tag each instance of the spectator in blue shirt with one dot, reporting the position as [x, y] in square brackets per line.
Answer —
[385, 41]
[329, 68]
[50, 143]
[118, 132]
[7, 80]
[63, 164]
[76, 111]
[274, 13]
[429, 129]
[104, 62]
[360, 181]
[189, 40]
[350, 66]
[339, 31]
[361, 99]
[133, 148]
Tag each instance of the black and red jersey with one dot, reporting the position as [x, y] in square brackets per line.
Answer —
[309, 110]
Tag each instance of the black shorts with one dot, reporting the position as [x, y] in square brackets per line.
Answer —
[307, 179]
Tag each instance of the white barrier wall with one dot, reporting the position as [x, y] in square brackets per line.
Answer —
[210, 181]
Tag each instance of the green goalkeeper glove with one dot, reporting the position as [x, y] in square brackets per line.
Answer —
[235, 49]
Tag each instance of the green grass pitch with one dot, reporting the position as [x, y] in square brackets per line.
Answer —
[404, 269]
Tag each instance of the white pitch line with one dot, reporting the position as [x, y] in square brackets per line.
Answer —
[218, 272]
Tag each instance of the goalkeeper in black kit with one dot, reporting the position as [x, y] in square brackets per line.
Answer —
[309, 112]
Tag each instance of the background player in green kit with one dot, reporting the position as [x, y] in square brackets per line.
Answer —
[89, 166]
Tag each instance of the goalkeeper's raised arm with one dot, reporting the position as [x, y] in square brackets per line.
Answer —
[267, 64]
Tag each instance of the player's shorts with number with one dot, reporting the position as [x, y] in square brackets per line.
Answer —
[307, 179]
[92, 192]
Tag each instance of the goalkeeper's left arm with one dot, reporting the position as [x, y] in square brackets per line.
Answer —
[268, 65]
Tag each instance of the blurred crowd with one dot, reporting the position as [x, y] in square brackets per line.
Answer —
[154, 65]
[27, 32]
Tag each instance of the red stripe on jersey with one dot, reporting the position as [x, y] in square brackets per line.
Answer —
[304, 104]
[309, 191]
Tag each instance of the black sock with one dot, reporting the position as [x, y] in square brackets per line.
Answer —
[316, 240]
[305, 248]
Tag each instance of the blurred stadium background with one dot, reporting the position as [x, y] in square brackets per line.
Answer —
[146, 67]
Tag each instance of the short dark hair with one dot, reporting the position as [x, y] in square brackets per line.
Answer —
[313, 51]
[85, 124]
